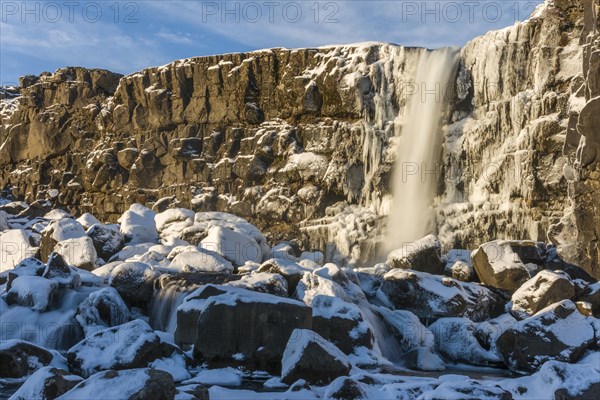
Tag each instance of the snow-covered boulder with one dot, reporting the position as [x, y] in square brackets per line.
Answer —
[310, 357]
[57, 231]
[459, 266]
[421, 255]
[431, 296]
[232, 326]
[508, 264]
[462, 387]
[131, 384]
[558, 332]
[101, 309]
[329, 280]
[19, 358]
[263, 282]
[15, 246]
[201, 260]
[78, 252]
[45, 384]
[138, 226]
[290, 270]
[131, 345]
[173, 220]
[557, 380]
[107, 240]
[135, 282]
[546, 288]
[59, 271]
[591, 295]
[459, 340]
[87, 220]
[131, 252]
[341, 323]
[35, 292]
[345, 388]
[369, 279]
[234, 246]
[28, 267]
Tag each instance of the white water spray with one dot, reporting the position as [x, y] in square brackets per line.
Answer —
[414, 178]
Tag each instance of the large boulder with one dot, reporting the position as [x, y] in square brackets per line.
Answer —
[101, 309]
[508, 264]
[57, 231]
[15, 246]
[39, 294]
[290, 270]
[201, 260]
[329, 280]
[263, 282]
[173, 220]
[231, 326]
[59, 271]
[558, 332]
[138, 226]
[131, 384]
[28, 267]
[459, 266]
[108, 240]
[421, 255]
[341, 323]
[78, 252]
[135, 282]
[235, 246]
[131, 345]
[431, 296]
[310, 357]
[46, 383]
[19, 358]
[546, 288]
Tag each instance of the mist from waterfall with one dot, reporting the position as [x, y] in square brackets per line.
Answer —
[415, 172]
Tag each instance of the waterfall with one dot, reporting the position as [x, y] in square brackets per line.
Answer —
[415, 173]
[385, 343]
[163, 308]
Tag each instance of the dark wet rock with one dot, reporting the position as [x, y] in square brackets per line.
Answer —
[19, 358]
[107, 240]
[135, 282]
[46, 383]
[421, 255]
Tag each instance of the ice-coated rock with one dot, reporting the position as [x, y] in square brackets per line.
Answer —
[28, 267]
[558, 332]
[232, 326]
[19, 358]
[310, 357]
[544, 289]
[341, 323]
[46, 383]
[263, 282]
[201, 260]
[234, 246]
[423, 359]
[15, 246]
[421, 255]
[137, 225]
[329, 280]
[461, 387]
[107, 240]
[462, 340]
[507, 264]
[35, 292]
[131, 345]
[431, 296]
[101, 309]
[134, 281]
[131, 384]
[290, 270]
[79, 252]
[406, 332]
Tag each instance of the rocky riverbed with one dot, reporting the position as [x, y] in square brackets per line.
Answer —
[184, 305]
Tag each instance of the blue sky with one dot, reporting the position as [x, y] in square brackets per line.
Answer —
[126, 36]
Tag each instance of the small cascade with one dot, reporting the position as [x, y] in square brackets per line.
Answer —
[385, 343]
[163, 308]
[415, 173]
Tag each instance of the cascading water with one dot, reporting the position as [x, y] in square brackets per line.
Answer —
[163, 308]
[414, 178]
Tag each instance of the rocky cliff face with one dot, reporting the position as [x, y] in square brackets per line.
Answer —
[522, 163]
[302, 141]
